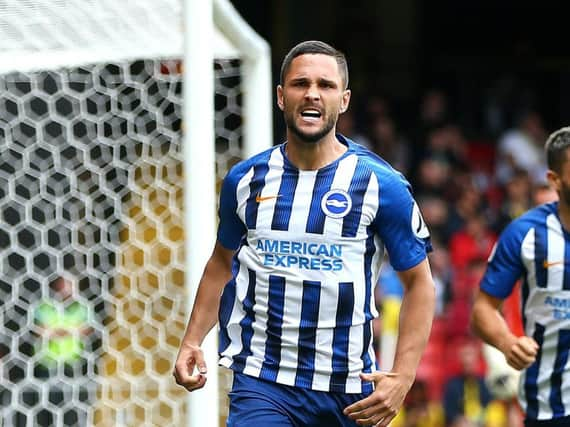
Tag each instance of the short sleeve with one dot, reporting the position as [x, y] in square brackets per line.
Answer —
[505, 266]
[230, 228]
[400, 224]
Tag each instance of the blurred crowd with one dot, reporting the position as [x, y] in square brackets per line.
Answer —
[469, 187]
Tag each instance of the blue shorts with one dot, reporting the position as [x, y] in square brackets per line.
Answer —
[555, 422]
[256, 402]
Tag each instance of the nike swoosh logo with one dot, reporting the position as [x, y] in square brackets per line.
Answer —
[547, 264]
[260, 199]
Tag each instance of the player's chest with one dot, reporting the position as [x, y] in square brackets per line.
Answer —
[309, 202]
[545, 254]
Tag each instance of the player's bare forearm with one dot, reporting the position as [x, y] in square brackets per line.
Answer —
[416, 316]
[205, 311]
[203, 318]
[488, 323]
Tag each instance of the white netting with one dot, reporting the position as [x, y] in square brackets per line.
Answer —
[91, 191]
[36, 33]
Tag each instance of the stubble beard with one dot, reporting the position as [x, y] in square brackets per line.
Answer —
[565, 194]
[309, 137]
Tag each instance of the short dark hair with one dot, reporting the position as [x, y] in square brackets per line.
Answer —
[556, 145]
[313, 47]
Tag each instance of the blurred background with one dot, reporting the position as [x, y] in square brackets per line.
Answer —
[486, 56]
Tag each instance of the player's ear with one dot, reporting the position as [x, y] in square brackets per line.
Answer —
[280, 97]
[554, 179]
[345, 101]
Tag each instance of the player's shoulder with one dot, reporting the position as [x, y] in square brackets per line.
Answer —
[367, 159]
[532, 218]
[242, 167]
[538, 214]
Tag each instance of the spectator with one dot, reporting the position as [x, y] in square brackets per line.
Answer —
[419, 411]
[435, 211]
[433, 112]
[434, 108]
[346, 125]
[433, 177]
[447, 142]
[522, 148]
[469, 203]
[441, 273]
[389, 144]
[516, 201]
[471, 243]
[466, 395]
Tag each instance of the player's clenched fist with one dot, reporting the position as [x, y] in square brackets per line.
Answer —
[521, 353]
[383, 404]
[190, 357]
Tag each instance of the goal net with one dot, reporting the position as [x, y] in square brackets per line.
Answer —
[92, 268]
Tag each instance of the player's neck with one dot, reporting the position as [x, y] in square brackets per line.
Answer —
[313, 155]
[564, 213]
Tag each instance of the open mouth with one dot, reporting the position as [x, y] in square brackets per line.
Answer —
[311, 113]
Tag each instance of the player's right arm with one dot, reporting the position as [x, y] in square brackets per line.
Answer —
[217, 273]
[488, 323]
[504, 268]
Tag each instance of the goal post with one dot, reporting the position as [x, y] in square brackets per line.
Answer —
[199, 163]
[105, 169]
[256, 63]
[254, 55]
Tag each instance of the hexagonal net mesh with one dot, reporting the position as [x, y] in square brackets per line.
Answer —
[91, 240]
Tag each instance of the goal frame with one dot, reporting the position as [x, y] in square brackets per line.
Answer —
[203, 19]
[202, 31]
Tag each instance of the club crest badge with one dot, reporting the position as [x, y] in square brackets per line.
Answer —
[336, 203]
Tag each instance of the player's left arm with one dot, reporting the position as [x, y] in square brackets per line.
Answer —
[416, 315]
[400, 225]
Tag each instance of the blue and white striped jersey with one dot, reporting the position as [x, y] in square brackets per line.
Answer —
[536, 248]
[298, 310]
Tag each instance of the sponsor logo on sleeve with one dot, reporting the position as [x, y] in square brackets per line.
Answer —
[419, 226]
